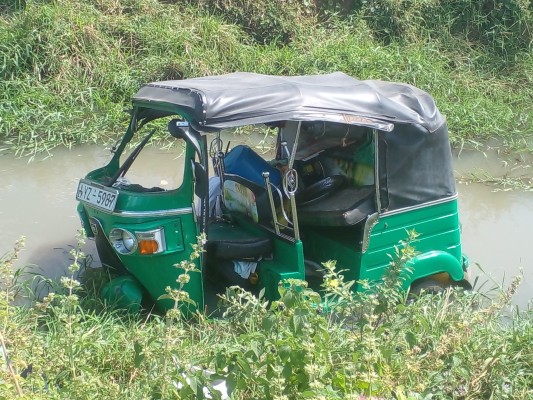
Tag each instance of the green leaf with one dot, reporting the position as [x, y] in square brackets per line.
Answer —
[139, 356]
[298, 357]
[268, 322]
[244, 367]
[255, 348]
[299, 319]
[287, 371]
[284, 352]
[188, 301]
[410, 339]
[220, 362]
[387, 353]
[289, 299]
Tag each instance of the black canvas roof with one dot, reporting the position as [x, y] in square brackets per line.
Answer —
[414, 157]
[246, 98]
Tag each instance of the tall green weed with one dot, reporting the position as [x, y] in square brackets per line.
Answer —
[68, 68]
[275, 22]
[376, 344]
[504, 27]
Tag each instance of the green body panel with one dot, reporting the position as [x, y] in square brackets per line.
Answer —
[439, 234]
[158, 271]
[287, 259]
[172, 211]
[438, 245]
[335, 244]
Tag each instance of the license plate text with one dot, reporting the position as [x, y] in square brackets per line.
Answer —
[100, 197]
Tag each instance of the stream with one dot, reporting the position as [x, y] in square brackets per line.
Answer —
[37, 200]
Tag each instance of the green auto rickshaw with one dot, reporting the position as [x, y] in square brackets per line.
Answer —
[356, 164]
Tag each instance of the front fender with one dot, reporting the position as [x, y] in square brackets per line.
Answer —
[435, 262]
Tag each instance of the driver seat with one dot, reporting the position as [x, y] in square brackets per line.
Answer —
[227, 241]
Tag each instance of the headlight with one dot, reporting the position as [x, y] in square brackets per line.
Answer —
[123, 241]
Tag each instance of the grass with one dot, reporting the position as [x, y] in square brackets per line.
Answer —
[454, 345]
[68, 69]
[501, 183]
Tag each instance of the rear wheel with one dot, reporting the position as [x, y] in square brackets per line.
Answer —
[427, 286]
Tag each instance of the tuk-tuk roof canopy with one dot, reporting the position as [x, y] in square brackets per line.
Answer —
[414, 148]
[241, 98]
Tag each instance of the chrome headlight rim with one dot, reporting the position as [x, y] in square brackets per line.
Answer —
[123, 241]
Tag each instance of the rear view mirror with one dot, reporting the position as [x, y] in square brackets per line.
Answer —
[178, 129]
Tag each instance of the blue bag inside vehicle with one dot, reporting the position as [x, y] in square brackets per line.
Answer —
[243, 161]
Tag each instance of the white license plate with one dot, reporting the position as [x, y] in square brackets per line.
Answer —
[98, 196]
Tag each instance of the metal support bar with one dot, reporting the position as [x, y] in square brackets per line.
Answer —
[292, 198]
[290, 186]
[220, 167]
[266, 176]
[295, 145]
[376, 170]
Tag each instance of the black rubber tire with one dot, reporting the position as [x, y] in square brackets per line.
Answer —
[427, 286]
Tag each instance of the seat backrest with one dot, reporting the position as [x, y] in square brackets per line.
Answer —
[238, 197]
[246, 197]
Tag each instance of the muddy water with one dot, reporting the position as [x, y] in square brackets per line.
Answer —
[497, 224]
[37, 200]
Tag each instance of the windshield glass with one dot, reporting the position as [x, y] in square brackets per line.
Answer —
[157, 166]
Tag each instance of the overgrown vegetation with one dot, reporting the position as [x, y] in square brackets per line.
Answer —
[68, 68]
[377, 344]
[67, 71]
